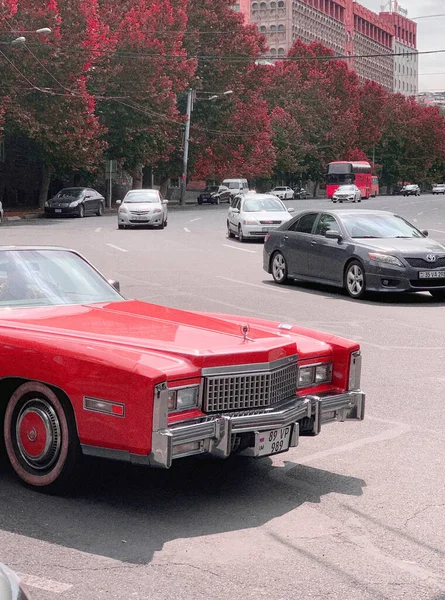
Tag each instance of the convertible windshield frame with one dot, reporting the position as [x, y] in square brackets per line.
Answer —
[43, 277]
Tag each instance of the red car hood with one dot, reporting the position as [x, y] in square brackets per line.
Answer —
[202, 339]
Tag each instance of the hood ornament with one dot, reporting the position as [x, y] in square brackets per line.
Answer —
[245, 328]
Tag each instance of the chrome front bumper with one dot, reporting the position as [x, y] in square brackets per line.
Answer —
[213, 434]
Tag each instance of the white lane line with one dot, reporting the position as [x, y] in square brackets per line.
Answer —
[187, 230]
[242, 249]
[434, 209]
[98, 229]
[384, 207]
[437, 230]
[261, 287]
[197, 219]
[44, 584]
[117, 248]
[418, 214]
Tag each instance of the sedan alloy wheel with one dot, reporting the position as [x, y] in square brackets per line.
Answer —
[230, 233]
[355, 280]
[81, 211]
[279, 268]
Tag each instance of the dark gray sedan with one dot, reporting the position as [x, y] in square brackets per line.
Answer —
[360, 250]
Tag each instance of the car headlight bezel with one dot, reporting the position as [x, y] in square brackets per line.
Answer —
[314, 375]
[184, 398]
[385, 259]
[250, 222]
[73, 204]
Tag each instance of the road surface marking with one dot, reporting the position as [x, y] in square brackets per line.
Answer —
[384, 207]
[242, 249]
[434, 209]
[262, 287]
[117, 248]
[437, 230]
[44, 584]
[187, 230]
[98, 229]
[418, 214]
[197, 219]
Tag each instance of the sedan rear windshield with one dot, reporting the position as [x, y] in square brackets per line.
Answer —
[346, 188]
[138, 197]
[70, 193]
[266, 205]
[379, 226]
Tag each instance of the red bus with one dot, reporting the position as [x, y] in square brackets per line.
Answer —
[347, 172]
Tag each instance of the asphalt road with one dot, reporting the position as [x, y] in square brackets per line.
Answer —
[355, 513]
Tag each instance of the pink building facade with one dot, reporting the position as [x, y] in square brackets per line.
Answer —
[349, 29]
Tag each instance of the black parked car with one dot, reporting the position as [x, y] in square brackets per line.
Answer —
[300, 193]
[411, 190]
[359, 250]
[214, 194]
[75, 201]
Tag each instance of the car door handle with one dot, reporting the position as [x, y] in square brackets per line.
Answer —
[285, 237]
[313, 243]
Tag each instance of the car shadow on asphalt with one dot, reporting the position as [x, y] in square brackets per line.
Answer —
[128, 513]
[330, 292]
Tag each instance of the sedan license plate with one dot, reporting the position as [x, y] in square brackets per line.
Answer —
[58, 210]
[266, 229]
[274, 441]
[141, 218]
[432, 275]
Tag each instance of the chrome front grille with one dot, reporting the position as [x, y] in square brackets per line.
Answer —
[421, 263]
[244, 390]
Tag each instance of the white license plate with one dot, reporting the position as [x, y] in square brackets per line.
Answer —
[266, 229]
[432, 275]
[58, 210]
[140, 218]
[274, 441]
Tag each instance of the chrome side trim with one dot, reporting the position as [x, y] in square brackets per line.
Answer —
[251, 368]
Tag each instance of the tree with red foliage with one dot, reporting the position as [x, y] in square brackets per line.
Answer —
[231, 135]
[318, 98]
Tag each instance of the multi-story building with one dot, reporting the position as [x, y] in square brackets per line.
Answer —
[349, 29]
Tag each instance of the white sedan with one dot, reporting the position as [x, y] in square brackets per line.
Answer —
[283, 193]
[347, 193]
[252, 216]
[142, 207]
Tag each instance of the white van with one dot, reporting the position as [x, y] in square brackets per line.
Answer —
[236, 186]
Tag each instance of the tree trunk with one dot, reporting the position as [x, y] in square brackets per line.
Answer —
[137, 177]
[45, 181]
[147, 179]
[163, 188]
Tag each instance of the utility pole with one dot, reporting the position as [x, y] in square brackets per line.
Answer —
[186, 147]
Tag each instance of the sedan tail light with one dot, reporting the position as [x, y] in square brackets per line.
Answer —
[267, 237]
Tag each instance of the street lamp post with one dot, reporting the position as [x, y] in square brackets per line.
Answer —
[187, 138]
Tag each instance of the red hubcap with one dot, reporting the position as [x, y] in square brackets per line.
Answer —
[33, 434]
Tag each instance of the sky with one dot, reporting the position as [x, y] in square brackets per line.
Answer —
[430, 36]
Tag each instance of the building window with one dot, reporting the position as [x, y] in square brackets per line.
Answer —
[263, 29]
[281, 4]
[273, 28]
[263, 5]
[281, 51]
[273, 51]
[254, 5]
[280, 27]
[273, 5]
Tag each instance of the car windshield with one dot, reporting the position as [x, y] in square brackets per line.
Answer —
[410, 187]
[212, 188]
[142, 196]
[70, 193]
[264, 205]
[32, 278]
[379, 226]
[232, 185]
[346, 188]
[280, 189]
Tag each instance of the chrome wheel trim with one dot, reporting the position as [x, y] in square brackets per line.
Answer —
[278, 267]
[43, 410]
[355, 280]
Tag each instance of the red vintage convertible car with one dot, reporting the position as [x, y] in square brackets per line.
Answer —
[84, 371]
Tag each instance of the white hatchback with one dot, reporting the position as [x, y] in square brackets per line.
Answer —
[252, 216]
[142, 207]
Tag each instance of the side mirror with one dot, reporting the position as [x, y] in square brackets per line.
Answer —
[291, 210]
[115, 284]
[425, 232]
[333, 235]
[118, 202]
[235, 210]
